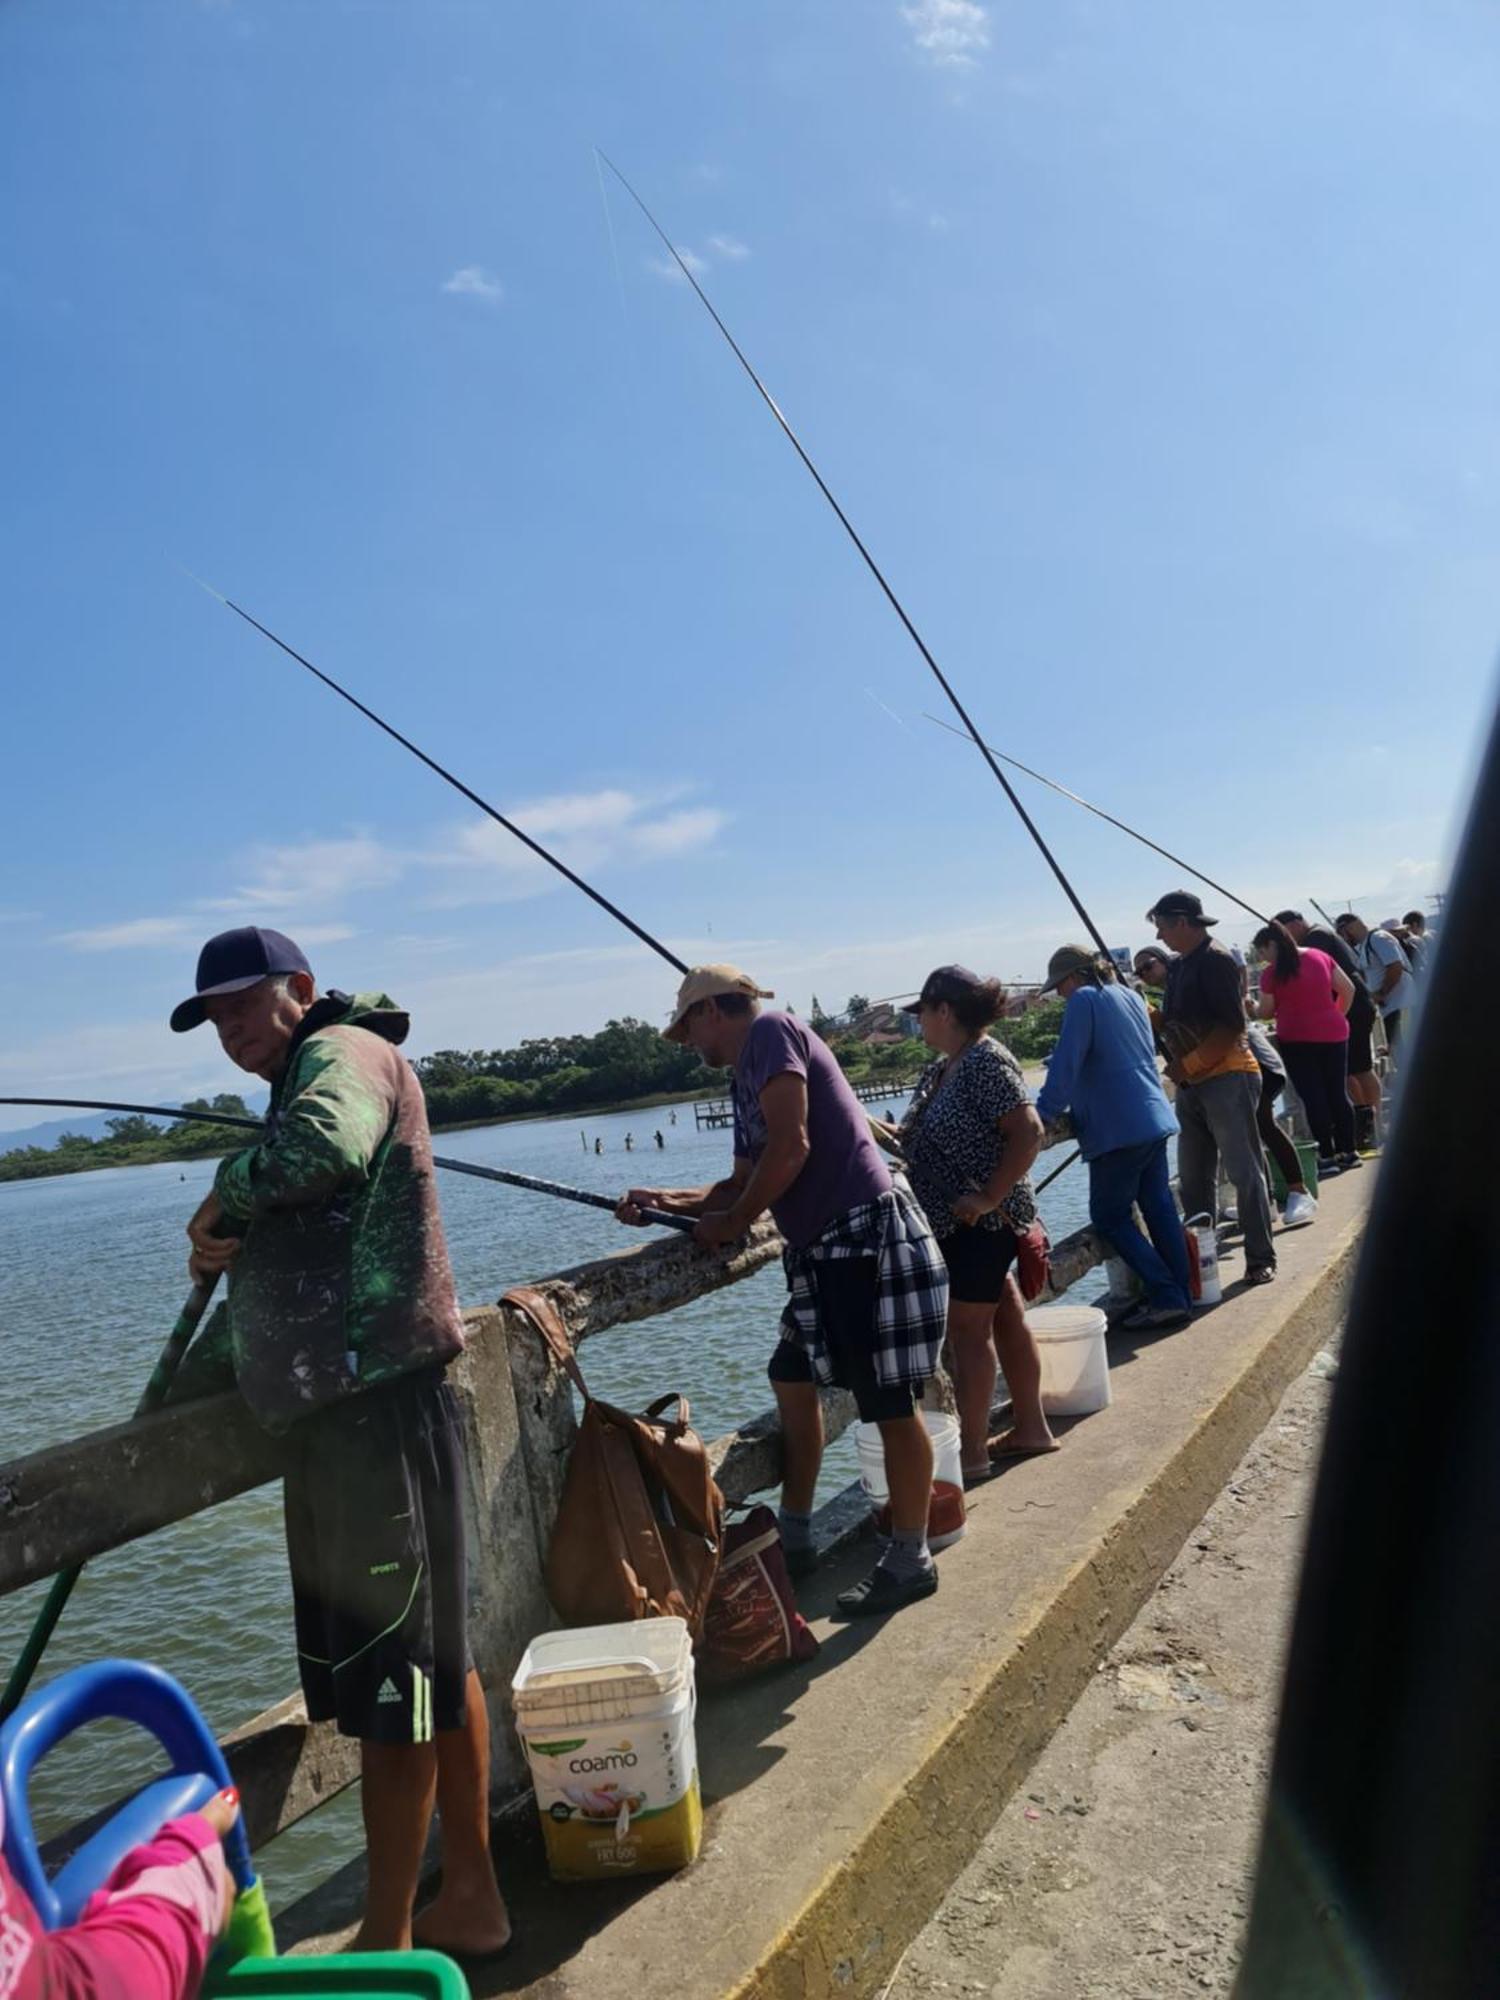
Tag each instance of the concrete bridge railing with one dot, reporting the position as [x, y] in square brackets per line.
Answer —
[75, 1500]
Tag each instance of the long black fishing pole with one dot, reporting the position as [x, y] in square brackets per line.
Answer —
[503, 1175]
[1099, 813]
[152, 1397]
[870, 563]
[148, 1110]
[458, 784]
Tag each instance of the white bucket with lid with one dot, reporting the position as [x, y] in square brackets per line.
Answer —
[606, 1717]
[1075, 1362]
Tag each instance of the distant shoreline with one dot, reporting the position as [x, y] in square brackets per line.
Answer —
[575, 1114]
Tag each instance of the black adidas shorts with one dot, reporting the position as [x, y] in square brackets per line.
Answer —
[375, 1539]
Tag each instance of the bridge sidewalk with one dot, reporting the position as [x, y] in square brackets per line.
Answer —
[845, 1798]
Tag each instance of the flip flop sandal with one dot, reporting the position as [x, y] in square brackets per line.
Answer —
[1001, 1452]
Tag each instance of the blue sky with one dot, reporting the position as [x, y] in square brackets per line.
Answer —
[1150, 346]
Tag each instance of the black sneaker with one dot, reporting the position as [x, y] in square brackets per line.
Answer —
[1347, 1161]
[1156, 1319]
[800, 1563]
[882, 1592]
[1329, 1167]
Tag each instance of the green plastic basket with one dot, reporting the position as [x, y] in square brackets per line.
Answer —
[1307, 1153]
[351, 1975]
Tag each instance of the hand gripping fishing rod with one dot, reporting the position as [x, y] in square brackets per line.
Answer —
[1099, 813]
[458, 784]
[870, 563]
[503, 1175]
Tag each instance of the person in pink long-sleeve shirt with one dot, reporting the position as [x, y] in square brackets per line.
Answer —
[146, 1935]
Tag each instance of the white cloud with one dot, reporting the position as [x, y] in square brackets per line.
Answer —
[730, 247]
[473, 281]
[150, 933]
[136, 1059]
[906, 209]
[950, 33]
[314, 873]
[664, 267]
[480, 862]
[128, 936]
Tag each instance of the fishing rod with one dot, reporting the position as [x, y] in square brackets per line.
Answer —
[1321, 911]
[529, 1182]
[870, 563]
[151, 1398]
[458, 784]
[148, 1110]
[563, 1193]
[1099, 813]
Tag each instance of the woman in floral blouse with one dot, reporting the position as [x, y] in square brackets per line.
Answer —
[969, 1139]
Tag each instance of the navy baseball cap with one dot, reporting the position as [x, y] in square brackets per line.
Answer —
[234, 960]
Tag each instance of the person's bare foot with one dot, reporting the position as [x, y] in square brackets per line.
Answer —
[469, 1922]
[374, 1936]
[1018, 1443]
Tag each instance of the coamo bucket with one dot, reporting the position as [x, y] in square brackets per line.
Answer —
[1075, 1363]
[946, 1517]
[606, 1716]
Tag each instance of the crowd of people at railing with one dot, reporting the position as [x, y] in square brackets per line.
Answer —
[901, 1241]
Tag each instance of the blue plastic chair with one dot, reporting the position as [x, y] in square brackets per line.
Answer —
[126, 1691]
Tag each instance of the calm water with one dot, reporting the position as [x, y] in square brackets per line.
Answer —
[92, 1274]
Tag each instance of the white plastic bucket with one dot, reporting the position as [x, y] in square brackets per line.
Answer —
[602, 1673]
[946, 1519]
[1075, 1362]
[606, 1718]
[1204, 1243]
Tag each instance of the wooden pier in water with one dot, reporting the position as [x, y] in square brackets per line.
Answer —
[719, 1111]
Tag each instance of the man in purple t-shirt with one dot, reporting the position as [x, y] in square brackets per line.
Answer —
[867, 1284]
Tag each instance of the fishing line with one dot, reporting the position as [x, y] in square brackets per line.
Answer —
[870, 563]
[503, 1175]
[1099, 813]
[614, 252]
[595, 895]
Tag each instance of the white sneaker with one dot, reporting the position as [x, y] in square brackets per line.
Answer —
[1300, 1210]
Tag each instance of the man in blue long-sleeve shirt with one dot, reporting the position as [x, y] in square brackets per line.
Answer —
[1104, 1072]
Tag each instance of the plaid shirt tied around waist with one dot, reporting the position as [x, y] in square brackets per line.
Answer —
[911, 1300]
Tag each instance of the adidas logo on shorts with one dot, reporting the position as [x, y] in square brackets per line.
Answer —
[389, 1692]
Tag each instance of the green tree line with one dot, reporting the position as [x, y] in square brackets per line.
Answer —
[626, 1061]
[132, 1141]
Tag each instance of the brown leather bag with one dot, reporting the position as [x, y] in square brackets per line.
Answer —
[640, 1523]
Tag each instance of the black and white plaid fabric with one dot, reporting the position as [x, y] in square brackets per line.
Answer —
[911, 1302]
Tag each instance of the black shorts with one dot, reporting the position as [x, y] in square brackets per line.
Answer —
[1361, 1022]
[1393, 1025]
[846, 1289]
[375, 1539]
[977, 1260]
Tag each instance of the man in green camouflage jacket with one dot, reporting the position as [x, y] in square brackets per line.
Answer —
[341, 1320]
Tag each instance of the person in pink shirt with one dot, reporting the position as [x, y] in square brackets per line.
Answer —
[146, 1935]
[1309, 997]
